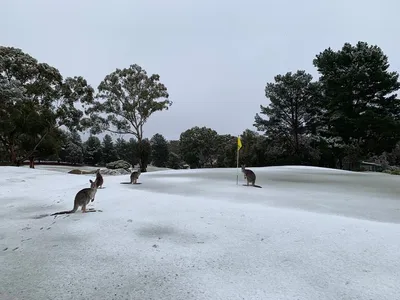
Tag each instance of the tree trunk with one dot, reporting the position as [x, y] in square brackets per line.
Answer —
[340, 162]
[142, 164]
[13, 155]
[296, 141]
[31, 162]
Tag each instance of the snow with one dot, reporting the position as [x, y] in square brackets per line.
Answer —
[309, 233]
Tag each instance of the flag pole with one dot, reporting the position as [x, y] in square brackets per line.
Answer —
[237, 167]
[239, 145]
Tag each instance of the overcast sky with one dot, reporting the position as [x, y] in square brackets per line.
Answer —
[214, 56]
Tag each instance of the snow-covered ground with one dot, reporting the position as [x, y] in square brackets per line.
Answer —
[308, 234]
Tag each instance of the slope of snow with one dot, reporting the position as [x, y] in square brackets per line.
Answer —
[309, 233]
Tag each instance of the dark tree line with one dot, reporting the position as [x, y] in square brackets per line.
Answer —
[349, 114]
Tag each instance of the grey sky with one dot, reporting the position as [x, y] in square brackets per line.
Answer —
[214, 56]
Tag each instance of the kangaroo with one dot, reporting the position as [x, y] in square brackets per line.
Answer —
[250, 176]
[135, 176]
[82, 198]
[99, 179]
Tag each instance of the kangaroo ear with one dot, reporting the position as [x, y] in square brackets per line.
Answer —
[90, 180]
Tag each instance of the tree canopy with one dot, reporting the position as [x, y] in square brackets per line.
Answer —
[35, 102]
[359, 108]
[290, 112]
[127, 97]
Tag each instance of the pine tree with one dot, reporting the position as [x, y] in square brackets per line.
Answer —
[108, 149]
[92, 153]
[291, 110]
[159, 150]
[74, 153]
[127, 150]
[174, 161]
[360, 108]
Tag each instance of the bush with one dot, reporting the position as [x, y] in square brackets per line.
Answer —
[392, 172]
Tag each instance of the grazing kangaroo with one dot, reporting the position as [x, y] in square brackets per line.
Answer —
[135, 175]
[250, 176]
[99, 179]
[82, 198]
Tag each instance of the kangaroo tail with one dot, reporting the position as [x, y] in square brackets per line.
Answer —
[66, 211]
[62, 212]
[257, 186]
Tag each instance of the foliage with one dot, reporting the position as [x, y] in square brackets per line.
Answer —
[36, 102]
[291, 111]
[159, 150]
[198, 146]
[108, 150]
[71, 148]
[51, 146]
[351, 113]
[226, 151]
[359, 106]
[92, 151]
[253, 150]
[174, 161]
[74, 153]
[128, 97]
[173, 146]
[392, 172]
[127, 150]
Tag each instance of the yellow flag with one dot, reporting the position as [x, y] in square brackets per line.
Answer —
[239, 143]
